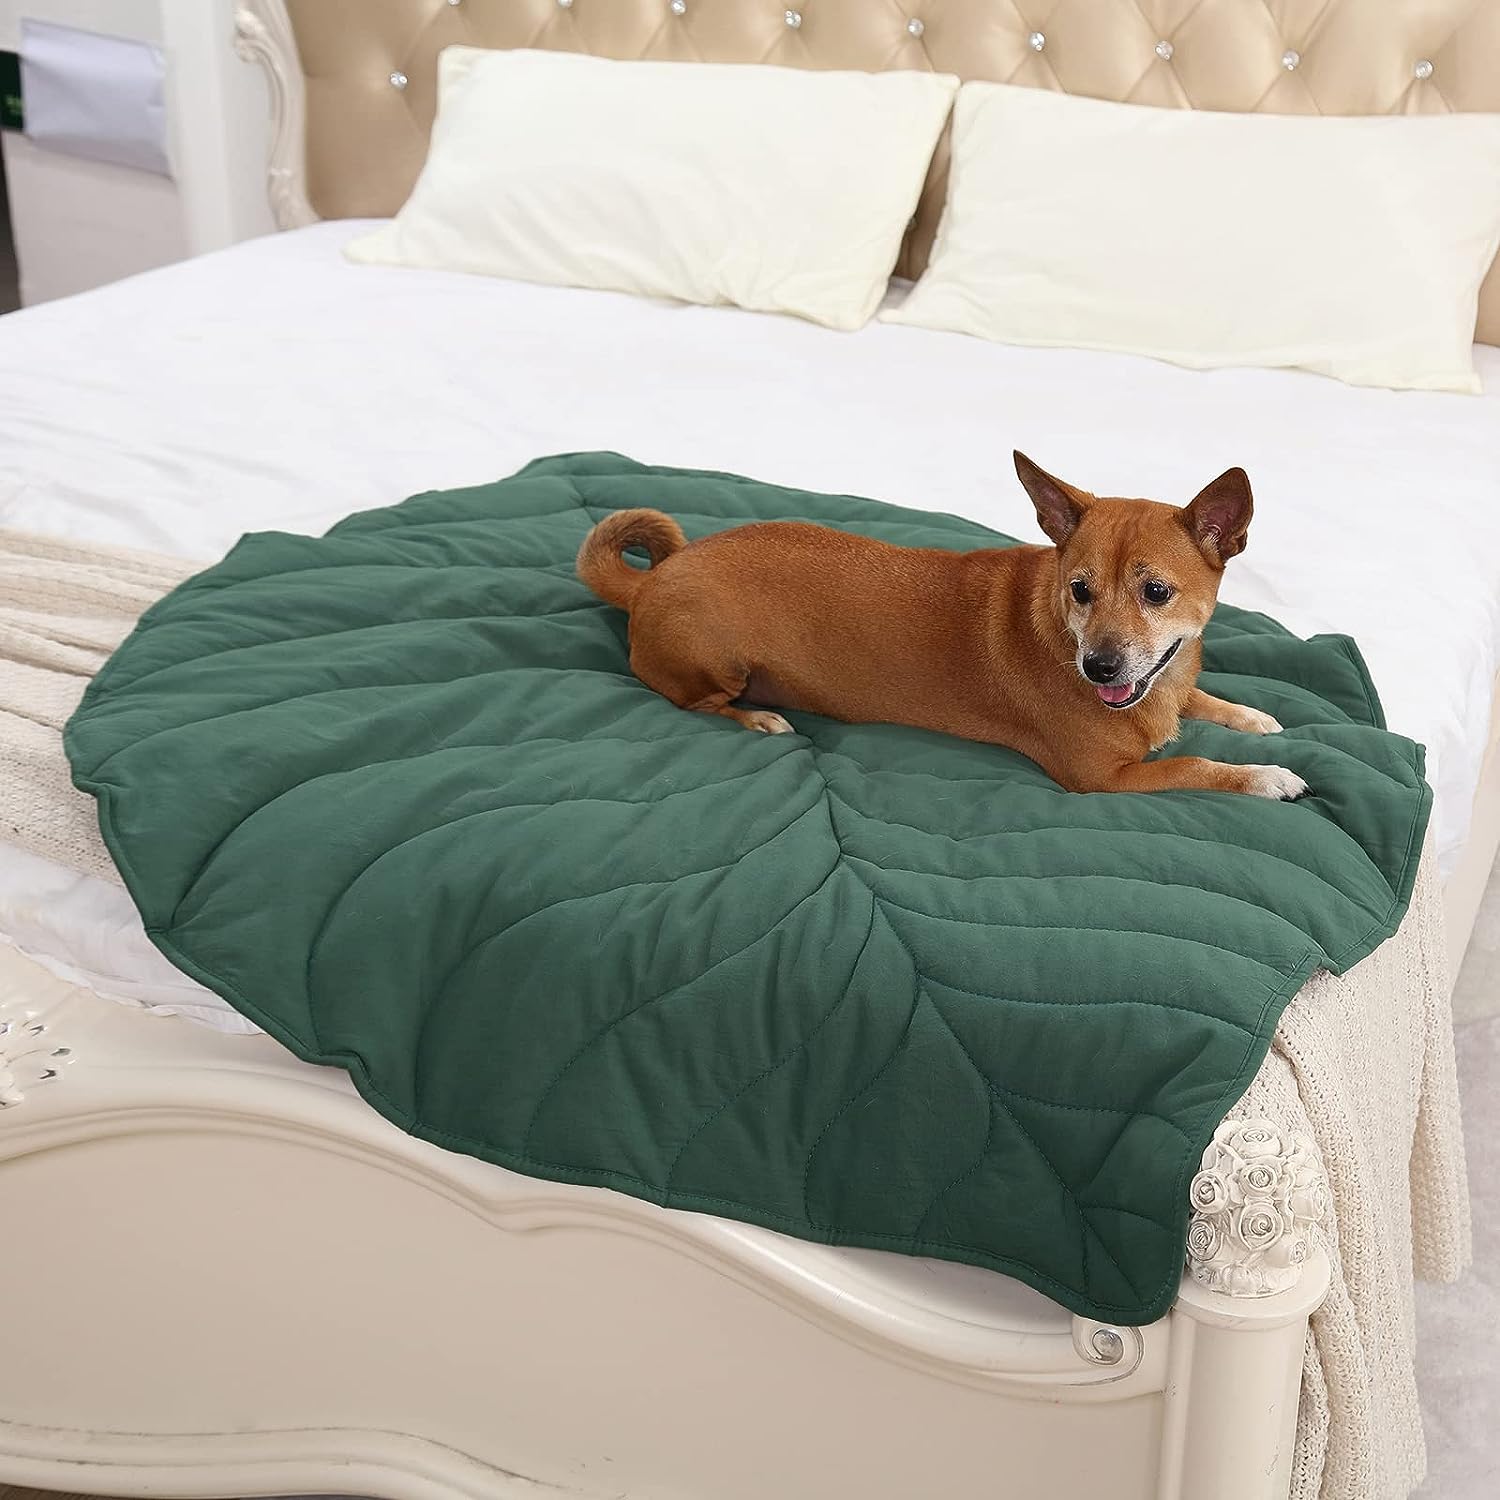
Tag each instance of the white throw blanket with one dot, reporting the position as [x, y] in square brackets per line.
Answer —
[63, 608]
[1364, 1063]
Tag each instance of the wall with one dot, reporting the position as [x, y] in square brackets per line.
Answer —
[221, 110]
[140, 19]
[80, 223]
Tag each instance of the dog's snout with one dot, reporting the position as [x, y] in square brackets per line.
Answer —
[1102, 666]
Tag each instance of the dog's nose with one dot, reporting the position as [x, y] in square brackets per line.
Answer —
[1102, 666]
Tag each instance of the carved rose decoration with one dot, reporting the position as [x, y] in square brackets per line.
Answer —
[1255, 1203]
[1259, 1225]
[1203, 1239]
[1209, 1193]
[28, 1056]
[1259, 1178]
[1258, 1138]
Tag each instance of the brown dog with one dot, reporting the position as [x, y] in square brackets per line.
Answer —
[1083, 655]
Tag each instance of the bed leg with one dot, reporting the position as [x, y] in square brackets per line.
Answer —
[1256, 1273]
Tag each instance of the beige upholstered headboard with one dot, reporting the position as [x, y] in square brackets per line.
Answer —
[354, 81]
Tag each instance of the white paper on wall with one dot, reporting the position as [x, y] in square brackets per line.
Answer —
[102, 97]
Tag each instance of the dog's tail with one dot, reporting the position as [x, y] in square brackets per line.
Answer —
[600, 564]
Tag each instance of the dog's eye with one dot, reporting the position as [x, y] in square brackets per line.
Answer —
[1081, 594]
[1156, 592]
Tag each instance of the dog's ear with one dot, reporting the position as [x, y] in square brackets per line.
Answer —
[1059, 507]
[1219, 516]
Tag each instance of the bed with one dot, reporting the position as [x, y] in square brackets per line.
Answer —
[199, 1225]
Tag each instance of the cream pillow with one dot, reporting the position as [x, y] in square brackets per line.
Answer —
[1350, 246]
[777, 189]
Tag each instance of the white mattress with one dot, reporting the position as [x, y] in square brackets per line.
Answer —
[276, 385]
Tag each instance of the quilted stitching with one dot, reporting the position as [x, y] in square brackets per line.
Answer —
[395, 794]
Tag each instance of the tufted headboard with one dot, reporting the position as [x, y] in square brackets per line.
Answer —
[354, 82]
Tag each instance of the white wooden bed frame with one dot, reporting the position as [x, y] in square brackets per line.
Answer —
[222, 1274]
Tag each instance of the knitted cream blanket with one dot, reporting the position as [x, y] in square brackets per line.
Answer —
[1363, 1063]
[63, 608]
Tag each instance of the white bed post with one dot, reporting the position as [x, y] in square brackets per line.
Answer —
[263, 34]
[1256, 1273]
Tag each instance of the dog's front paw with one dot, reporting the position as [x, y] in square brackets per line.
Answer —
[1275, 782]
[767, 723]
[1253, 721]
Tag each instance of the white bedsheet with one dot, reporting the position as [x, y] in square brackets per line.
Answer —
[275, 385]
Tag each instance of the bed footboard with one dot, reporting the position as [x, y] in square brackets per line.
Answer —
[225, 1275]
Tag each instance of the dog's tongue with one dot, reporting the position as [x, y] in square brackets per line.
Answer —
[1116, 694]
